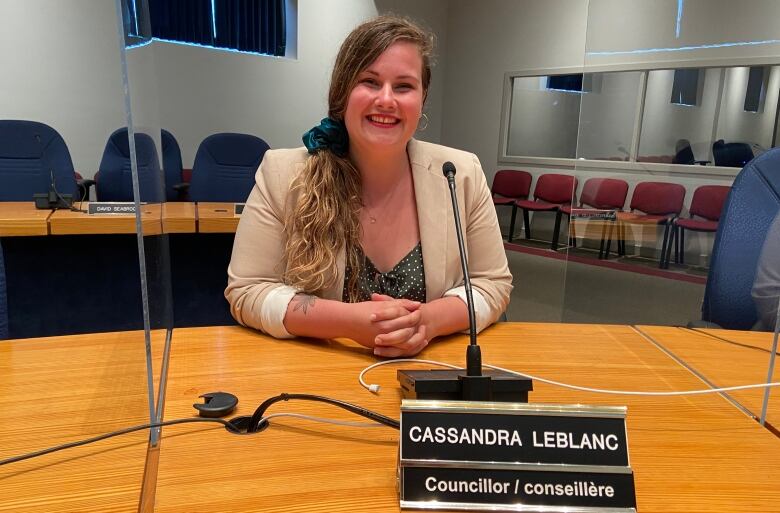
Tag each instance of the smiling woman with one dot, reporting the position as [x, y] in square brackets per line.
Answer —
[348, 237]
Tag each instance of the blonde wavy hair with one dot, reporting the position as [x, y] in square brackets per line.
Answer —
[325, 218]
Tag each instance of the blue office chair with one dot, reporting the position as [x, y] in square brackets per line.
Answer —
[751, 206]
[225, 166]
[31, 155]
[3, 300]
[114, 179]
[175, 188]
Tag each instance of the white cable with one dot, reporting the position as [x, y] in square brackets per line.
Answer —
[325, 420]
[375, 388]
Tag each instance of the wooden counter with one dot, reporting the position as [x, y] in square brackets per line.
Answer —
[694, 453]
[62, 389]
[217, 217]
[21, 218]
[726, 358]
[67, 222]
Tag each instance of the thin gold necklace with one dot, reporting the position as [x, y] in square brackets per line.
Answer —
[372, 217]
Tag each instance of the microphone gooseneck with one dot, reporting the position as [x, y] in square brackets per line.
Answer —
[469, 384]
[473, 354]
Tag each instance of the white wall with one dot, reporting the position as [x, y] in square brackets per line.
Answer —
[736, 125]
[664, 123]
[542, 123]
[607, 119]
[60, 66]
[489, 38]
[632, 27]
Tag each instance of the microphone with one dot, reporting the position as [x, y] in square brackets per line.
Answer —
[473, 353]
[52, 200]
[472, 385]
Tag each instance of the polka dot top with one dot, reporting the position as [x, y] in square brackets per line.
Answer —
[404, 281]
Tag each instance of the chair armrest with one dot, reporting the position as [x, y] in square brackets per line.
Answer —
[83, 185]
[701, 324]
[182, 190]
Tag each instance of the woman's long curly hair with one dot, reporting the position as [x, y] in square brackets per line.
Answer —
[326, 216]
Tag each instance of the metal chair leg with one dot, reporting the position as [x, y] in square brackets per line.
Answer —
[527, 223]
[609, 241]
[556, 230]
[664, 243]
[572, 232]
[668, 255]
[512, 224]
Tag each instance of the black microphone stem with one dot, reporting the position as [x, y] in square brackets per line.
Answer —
[473, 352]
[463, 264]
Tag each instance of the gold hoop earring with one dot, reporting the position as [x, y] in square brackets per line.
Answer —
[424, 116]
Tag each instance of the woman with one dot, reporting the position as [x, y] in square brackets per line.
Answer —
[354, 236]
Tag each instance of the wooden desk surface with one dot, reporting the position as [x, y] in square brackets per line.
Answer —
[67, 222]
[179, 217]
[62, 389]
[217, 217]
[694, 453]
[726, 358]
[21, 218]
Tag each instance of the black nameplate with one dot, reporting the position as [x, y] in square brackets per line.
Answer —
[522, 489]
[238, 209]
[593, 213]
[513, 432]
[111, 208]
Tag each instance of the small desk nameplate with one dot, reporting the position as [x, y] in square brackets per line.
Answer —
[509, 456]
[104, 208]
[591, 213]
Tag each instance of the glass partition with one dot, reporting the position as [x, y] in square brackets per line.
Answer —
[75, 347]
[698, 118]
[543, 116]
[148, 186]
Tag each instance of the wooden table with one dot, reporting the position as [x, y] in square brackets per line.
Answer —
[62, 389]
[68, 222]
[217, 217]
[694, 453]
[179, 217]
[726, 358]
[21, 218]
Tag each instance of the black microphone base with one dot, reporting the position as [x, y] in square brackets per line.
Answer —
[50, 201]
[455, 385]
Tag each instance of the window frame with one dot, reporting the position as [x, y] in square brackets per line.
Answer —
[610, 165]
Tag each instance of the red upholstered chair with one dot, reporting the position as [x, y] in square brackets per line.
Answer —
[509, 186]
[597, 194]
[707, 204]
[552, 192]
[652, 203]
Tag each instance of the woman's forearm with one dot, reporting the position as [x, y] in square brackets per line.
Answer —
[311, 316]
[445, 316]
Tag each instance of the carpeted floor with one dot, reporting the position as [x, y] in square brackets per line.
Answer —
[553, 289]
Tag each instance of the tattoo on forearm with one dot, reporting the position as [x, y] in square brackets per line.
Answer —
[303, 302]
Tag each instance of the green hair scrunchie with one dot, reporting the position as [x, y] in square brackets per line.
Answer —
[330, 134]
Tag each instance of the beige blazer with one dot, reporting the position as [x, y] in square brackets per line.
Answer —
[257, 261]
